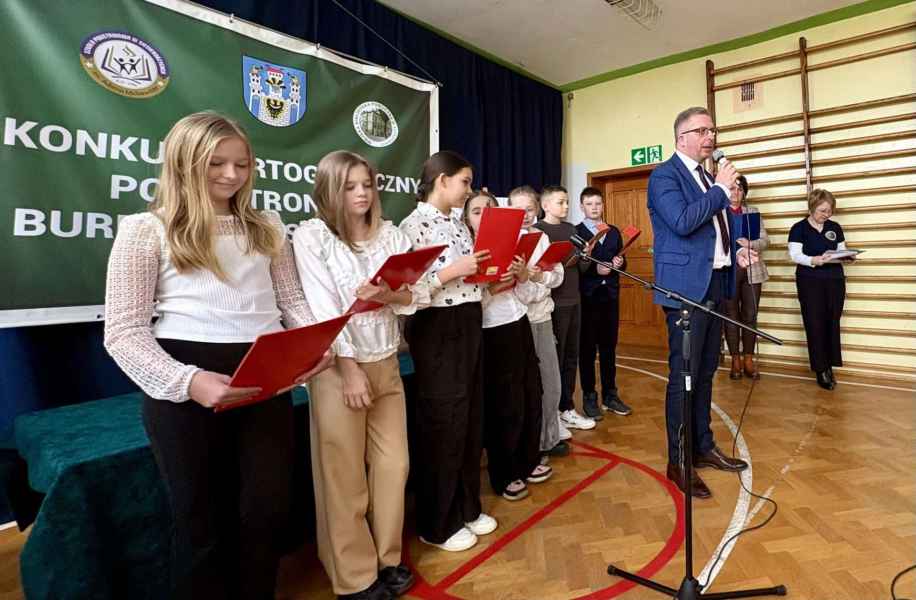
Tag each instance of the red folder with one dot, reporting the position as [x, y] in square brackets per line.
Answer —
[498, 233]
[275, 359]
[557, 252]
[398, 270]
[629, 232]
[603, 228]
[527, 244]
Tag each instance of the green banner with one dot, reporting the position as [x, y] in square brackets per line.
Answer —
[92, 88]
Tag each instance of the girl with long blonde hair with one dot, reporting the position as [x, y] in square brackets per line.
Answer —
[358, 413]
[218, 274]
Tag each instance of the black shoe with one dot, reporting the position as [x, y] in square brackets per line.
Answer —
[830, 375]
[561, 449]
[823, 380]
[376, 591]
[397, 579]
[590, 406]
[613, 403]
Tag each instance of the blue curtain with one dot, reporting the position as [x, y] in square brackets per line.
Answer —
[508, 126]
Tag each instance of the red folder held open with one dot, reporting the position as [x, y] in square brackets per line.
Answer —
[629, 232]
[557, 252]
[498, 233]
[527, 244]
[275, 359]
[398, 270]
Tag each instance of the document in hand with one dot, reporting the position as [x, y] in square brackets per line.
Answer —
[603, 228]
[750, 226]
[837, 255]
[398, 270]
[498, 233]
[526, 245]
[631, 233]
[275, 360]
[557, 252]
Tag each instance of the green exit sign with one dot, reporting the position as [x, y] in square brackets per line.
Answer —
[645, 155]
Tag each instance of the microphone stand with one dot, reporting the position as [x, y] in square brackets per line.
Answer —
[690, 586]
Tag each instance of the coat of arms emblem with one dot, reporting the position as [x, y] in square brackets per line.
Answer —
[274, 94]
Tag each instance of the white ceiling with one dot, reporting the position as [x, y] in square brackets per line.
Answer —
[562, 41]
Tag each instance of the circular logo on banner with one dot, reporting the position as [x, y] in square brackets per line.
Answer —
[375, 124]
[830, 235]
[124, 64]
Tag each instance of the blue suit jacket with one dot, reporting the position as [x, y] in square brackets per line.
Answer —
[684, 236]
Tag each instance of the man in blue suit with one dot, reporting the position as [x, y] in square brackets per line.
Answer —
[694, 255]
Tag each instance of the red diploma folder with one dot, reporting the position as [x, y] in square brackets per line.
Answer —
[498, 233]
[603, 228]
[275, 359]
[527, 244]
[557, 252]
[631, 233]
[398, 270]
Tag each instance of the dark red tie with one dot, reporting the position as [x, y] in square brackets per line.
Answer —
[723, 227]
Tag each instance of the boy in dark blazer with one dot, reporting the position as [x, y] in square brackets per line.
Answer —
[600, 289]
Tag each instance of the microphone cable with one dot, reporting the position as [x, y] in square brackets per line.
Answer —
[896, 578]
[747, 401]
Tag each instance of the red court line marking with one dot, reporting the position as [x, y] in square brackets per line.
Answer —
[525, 525]
[424, 590]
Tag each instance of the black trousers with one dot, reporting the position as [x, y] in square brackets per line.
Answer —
[566, 322]
[512, 403]
[742, 307]
[821, 301]
[705, 335]
[228, 478]
[600, 325]
[446, 346]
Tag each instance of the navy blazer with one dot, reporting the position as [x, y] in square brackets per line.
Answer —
[684, 236]
[605, 250]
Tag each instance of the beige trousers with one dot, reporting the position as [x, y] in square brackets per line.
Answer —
[359, 465]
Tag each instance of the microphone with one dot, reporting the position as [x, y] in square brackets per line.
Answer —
[578, 242]
[717, 156]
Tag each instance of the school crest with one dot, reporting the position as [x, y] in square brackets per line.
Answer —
[124, 64]
[274, 94]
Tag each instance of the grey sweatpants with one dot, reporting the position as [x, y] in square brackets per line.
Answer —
[546, 347]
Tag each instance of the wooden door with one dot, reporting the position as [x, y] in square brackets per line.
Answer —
[642, 323]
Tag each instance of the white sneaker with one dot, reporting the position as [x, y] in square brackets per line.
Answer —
[574, 420]
[482, 525]
[564, 432]
[462, 539]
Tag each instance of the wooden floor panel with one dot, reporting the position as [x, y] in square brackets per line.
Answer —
[841, 465]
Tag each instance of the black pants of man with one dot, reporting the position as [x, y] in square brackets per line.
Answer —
[600, 325]
[566, 323]
[705, 335]
[821, 301]
[512, 403]
[446, 346]
[228, 479]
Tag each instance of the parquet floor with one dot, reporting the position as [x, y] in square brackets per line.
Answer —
[841, 465]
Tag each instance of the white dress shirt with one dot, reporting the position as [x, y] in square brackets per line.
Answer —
[720, 257]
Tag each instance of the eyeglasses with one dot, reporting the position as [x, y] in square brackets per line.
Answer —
[702, 131]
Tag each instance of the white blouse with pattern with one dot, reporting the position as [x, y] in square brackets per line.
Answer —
[331, 272]
[427, 226]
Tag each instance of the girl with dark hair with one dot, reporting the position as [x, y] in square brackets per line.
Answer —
[445, 342]
[512, 380]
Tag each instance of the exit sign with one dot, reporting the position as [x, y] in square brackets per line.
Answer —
[645, 155]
